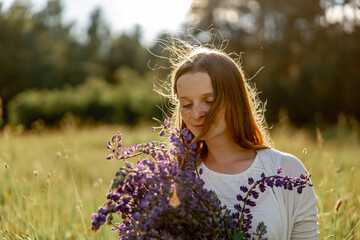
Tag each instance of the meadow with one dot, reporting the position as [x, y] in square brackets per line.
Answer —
[51, 181]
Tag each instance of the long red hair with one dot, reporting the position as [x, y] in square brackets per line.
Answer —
[244, 112]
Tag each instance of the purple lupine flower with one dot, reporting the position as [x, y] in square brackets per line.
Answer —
[147, 188]
[251, 203]
[128, 165]
[260, 231]
[300, 189]
[239, 197]
[262, 187]
[141, 194]
[244, 218]
[131, 148]
[125, 151]
[250, 181]
[162, 133]
[270, 182]
[255, 194]
[244, 189]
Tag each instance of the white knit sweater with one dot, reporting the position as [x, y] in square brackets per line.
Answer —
[287, 214]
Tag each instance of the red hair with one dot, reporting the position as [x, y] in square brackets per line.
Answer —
[244, 112]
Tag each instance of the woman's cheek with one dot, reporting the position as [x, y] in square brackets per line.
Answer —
[185, 115]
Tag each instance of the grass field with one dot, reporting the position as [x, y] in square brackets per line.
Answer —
[51, 181]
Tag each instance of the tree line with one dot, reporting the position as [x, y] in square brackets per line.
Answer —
[310, 64]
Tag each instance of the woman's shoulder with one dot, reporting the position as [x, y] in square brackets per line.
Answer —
[291, 165]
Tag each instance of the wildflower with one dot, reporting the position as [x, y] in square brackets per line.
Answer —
[244, 189]
[160, 198]
[250, 181]
[255, 194]
[162, 133]
[167, 121]
[261, 230]
[125, 151]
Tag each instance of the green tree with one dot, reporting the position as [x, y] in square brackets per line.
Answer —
[126, 50]
[98, 34]
[37, 50]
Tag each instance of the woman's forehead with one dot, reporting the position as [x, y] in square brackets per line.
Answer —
[198, 83]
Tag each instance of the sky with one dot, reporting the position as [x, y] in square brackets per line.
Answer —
[155, 16]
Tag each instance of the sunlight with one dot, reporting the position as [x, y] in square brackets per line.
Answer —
[154, 16]
[121, 15]
[348, 15]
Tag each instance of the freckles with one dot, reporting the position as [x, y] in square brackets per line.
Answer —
[185, 115]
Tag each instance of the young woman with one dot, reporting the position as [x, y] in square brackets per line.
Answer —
[216, 103]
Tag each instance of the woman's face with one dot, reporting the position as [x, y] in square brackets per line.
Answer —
[195, 93]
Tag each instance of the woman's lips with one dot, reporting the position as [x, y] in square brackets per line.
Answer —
[199, 126]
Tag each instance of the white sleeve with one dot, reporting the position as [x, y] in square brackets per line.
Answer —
[302, 207]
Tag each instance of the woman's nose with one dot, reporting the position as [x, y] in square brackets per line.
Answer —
[199, 111]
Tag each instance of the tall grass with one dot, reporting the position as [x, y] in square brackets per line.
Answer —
[331, 155]
[52, 181]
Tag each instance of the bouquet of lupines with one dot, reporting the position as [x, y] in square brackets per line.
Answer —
[159, 199]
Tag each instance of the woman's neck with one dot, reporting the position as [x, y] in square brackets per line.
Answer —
[226, 156]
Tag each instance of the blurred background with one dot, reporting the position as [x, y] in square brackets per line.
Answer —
[73, 72]
[91, 60]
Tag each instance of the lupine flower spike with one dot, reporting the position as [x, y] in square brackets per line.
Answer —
[159, 199]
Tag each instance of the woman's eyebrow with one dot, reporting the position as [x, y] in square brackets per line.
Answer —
[203, 95]
[208, 94]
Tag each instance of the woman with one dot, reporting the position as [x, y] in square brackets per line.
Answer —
[215, 102]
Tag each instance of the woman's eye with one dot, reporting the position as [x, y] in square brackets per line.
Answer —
[209, 102]
[186, 106]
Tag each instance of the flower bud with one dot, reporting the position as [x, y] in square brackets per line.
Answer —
[305, 151]
[174, 201]
[337, 205]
